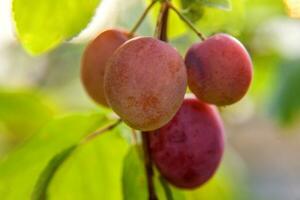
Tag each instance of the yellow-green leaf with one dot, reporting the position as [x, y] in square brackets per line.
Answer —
[42, 25]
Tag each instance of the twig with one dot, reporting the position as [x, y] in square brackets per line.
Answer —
[141, 19]
[183, 18]
[148, 167]
[101, 130]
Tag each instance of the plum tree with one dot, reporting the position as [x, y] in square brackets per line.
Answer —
[188, 150]
[219, 70]
[94, 62]
[145, 82]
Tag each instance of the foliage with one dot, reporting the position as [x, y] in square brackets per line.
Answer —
[22, 167]
[285, 104]
[22, 114]
[42, 159]
[41, 187]
[42, 25]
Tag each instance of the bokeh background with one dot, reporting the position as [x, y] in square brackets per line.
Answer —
[42, 94]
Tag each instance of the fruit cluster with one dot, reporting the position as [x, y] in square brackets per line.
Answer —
[144, 80]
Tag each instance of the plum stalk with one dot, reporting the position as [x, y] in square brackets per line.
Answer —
[148, 167]
[160, 33]
[162, 23]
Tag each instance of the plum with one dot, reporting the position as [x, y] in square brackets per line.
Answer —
[187, 151]
[94, 60]
[219, 70]
[145, 82]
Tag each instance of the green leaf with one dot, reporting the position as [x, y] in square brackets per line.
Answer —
[20, 170]
[133, 176]
[93, 171]
[40, 190]
[216, 20]
[42, 25]
[194, 9]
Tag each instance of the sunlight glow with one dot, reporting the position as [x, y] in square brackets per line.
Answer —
[293, 8]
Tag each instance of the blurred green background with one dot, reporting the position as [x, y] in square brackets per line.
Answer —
[44, 109]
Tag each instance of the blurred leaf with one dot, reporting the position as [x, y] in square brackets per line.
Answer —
[285, 103]
[221, 4]
[23, 112]
[259, 11]
[176, 27]
[216, 20]
[265, 69]
[193, 11]
[44, 24]
[40, 189]
[20, 170]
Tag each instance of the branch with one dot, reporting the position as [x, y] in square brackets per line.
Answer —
[148, 166]
[164, 23]
[100, 131]
[161, 24]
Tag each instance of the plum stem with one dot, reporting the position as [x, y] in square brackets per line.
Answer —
[100, 131]
[164, 27]
[162, 22]
[148, 166]
[184, 19]
[162, 34]
[143, 16]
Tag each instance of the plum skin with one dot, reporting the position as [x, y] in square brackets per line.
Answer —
[187, 151]
[145, 82]
[219, 70]
[94, 60]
